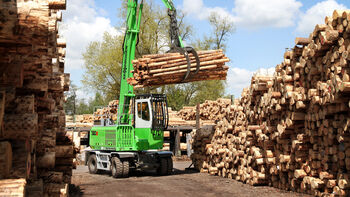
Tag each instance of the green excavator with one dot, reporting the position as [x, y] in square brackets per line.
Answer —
[133, 142]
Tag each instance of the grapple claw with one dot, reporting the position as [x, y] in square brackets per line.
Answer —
[185, 51]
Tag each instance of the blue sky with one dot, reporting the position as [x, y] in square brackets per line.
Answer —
[264, 28]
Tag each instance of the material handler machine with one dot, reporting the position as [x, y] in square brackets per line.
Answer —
[134, 140]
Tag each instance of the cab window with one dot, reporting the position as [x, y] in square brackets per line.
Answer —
[143, 111]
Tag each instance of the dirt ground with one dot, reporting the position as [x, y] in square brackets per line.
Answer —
[181, 183]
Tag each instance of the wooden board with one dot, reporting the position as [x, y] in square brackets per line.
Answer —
[2, 109]
[5, 159]
[12, 187]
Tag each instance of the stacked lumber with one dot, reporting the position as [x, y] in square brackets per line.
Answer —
[32, 85]
[200, 142]
[171, 68]
[209, 110]
[188, 113]
[166, 144]
[176, 120]
[12, 187]
[107, 112]
[290, 130]
[87, 120]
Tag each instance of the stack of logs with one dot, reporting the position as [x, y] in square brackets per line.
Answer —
[290, 131]
[171, 68]
[209, 110]
[87, 120]
[36, 156]
[107, 112]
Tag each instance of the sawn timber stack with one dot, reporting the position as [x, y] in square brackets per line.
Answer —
[36, 156]
[171, 68]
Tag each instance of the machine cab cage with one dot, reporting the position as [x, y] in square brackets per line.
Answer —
[159, 110]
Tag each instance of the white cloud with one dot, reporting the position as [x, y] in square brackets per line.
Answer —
[316, 14]
[265, 71]
[250, 14]
[197, 8]
[83, 22]
[239, 78]
[255, 14]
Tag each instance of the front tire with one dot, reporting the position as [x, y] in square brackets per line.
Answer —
[169, 165]
[163, 167]
[117, 168]
[92, 164]
[126, 167]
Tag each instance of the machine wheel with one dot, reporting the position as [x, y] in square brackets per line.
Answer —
[92, 164]
[169, 165]
[126, 167]
[163, 167]
[117, 167]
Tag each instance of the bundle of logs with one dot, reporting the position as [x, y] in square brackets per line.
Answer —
[36, 156]
[290, 131]
[171, 68]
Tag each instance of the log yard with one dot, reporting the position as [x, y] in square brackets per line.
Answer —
[150, 100]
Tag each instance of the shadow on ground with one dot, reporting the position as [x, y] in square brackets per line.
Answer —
[76, 191]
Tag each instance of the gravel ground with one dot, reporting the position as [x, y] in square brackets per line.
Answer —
[181, 183]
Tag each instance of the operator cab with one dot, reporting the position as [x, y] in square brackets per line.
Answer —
[151, 111]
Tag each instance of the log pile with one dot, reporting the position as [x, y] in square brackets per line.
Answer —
[200, 143]
[111, 110]
[87, 120]
[32, 83]
[209, 110]
[171, 68]
[107, 112]
[175, 119]
[291, 131]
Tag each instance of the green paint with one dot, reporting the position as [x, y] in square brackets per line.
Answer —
[168, 4]
[123, 136]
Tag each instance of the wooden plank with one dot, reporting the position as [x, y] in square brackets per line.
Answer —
[5, 159]
[12, 187]
[20, 126]
[12, 74]
[2, 108]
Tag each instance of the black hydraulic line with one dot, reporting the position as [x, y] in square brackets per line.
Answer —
[176, 46]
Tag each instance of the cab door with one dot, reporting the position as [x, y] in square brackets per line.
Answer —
[143, 113]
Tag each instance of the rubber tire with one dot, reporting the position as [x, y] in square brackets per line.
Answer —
[163, 167]
[169, 165]
[117, 168]
[92, 164]
[126, 167]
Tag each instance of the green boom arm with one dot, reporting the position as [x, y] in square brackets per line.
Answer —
[168, 4]
[129, 45]
[134, 14]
